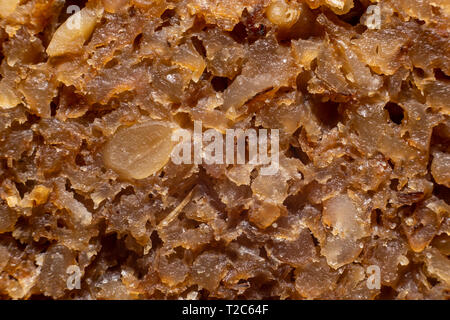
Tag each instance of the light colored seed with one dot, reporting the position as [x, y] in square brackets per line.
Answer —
[141, 150]
[283, 14]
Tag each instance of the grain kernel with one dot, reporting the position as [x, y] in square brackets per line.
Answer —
[140, 150]
[283, 14]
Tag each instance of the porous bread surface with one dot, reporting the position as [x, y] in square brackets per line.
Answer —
[91, 91]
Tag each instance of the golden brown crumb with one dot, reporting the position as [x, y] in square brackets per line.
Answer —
[351, 95]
